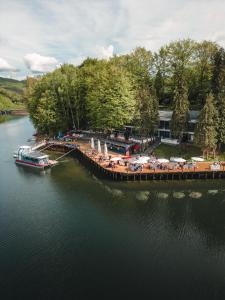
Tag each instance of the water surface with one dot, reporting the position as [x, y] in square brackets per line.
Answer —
[65, 234]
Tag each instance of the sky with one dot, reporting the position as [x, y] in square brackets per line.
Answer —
[37, 36]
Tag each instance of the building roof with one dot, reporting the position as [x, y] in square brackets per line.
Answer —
[35, 154]
[166, 115]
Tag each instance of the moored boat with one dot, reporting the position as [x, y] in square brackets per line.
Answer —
[35, 159]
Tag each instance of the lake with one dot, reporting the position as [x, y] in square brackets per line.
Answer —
[65, 234]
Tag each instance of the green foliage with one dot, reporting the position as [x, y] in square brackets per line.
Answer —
[180, 112]
[11, 94]
[97, 94]
[140, 65]
[12, 85]
[110, 98]
[129, 88]
[9, 100]
[206, 130]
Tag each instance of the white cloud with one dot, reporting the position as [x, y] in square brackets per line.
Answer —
[104, 52]
[72, 30]
[5, 66]
[40, 64]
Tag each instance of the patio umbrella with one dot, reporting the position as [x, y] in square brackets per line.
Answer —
[197, 159]
[105, 150]
[92, 143]
[177, 159]
[99, 147]
[162, 160]
[143, 160]
[116, 158]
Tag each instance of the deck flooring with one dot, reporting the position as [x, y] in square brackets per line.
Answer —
[200, 166]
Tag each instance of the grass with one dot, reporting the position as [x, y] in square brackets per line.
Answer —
[11, 94]
[167, 151]
[12, 85]
[6, 103]
[187, 151]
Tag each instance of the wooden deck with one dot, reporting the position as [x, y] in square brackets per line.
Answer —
[201, 171]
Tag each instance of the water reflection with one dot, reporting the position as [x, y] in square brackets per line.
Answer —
[186, 217]
[68, 228]
[143, 195]
[27, 172]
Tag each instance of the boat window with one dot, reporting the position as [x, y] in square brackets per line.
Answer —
[45, 160]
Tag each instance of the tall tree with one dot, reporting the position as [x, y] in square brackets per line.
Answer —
[202, 70]
[218, 88]
[180, 112]
[206, 129]
[149, 116]
[110, 97]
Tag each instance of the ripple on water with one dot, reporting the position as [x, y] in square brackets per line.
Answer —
[178, 195]
[143, 195]
[212, 192]
[195, 195]
[116, 192]
[162, 195]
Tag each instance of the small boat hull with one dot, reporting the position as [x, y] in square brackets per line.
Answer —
[31, 165]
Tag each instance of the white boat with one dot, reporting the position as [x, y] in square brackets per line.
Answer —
[22, 149]
[35, 159]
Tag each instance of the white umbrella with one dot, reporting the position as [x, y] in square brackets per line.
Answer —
[177, 159]
[162, 160]
[143, 160]
[99, 147]
[105, 150]
[197, 159]
[92, 143]
[115, 158]
[137, 161]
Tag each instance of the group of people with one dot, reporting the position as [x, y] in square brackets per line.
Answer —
[172, 166]
[215, 166]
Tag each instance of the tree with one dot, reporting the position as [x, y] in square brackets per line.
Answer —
[218, 88]
[149, 111]
[140, 64]
[202, 70]
[110, 98]
[206, 129]
[180, 112]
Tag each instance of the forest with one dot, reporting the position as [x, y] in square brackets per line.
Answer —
[130, 89]
[11, 94]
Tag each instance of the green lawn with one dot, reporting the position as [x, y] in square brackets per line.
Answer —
[166, 151]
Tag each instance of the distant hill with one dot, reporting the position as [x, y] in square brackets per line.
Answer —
[11, 93]
[12, 85]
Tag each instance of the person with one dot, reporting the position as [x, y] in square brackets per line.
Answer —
[127, 152]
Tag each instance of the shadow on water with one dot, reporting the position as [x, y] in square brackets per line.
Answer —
[181, 205]
[27, 171]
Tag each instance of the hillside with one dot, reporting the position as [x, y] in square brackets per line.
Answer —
[12, 85]
[11, 93]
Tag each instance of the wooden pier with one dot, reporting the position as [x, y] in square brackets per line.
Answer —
[14, 112]
[122, 173]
